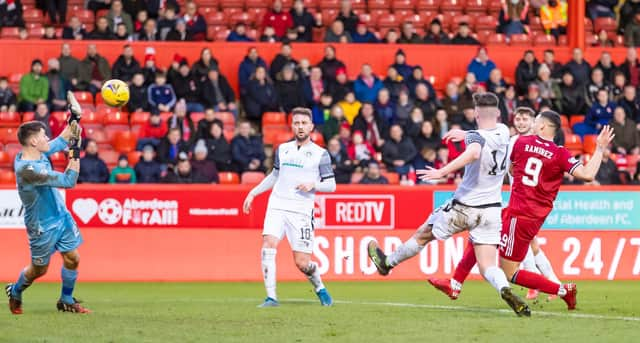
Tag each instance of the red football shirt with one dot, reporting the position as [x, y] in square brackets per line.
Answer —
[538, 169]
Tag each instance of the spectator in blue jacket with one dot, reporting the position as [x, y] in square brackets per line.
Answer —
[92, 168]
[367, 85]
[162, 98]
[600, 114]
[363, 35]
[148, 170]
[248, 68]
[247, 151]
[239, 34]
[481, 65]
[401, 66]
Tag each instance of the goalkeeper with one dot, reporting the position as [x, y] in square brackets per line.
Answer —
[49, 224]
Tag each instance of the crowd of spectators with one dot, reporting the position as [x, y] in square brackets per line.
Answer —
[372, 124]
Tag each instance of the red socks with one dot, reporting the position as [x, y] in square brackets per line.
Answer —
[536, 281]
[466, 264]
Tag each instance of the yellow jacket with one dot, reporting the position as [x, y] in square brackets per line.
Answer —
[350, 110]
[553, 17]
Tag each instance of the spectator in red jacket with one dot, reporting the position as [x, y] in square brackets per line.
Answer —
[278, 19]
[360, 151]
[152, 132]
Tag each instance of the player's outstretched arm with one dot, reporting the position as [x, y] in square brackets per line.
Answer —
[70, 132]
[470, 154]
[30, 174]
[588, 172]
[265, 185]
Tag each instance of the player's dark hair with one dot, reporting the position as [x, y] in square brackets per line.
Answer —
[525, 111]
[485, 100]
[553, 118]
[28, 129]
[301, 111]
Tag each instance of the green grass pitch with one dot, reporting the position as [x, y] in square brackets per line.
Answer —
[364, 312]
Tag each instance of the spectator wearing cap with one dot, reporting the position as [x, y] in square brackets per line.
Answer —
[183, 172]
[34, 88]
[116, 16]
[526, 72]
[330, 64]
[481, 65]
[122, 173]
[579, 67]
[340, 86]
[342, 166]
[195, 22]
[74, 29]
[179, 32]
[149, 69]
[599, 114]
[314, 87]
[148, 170]
[401, 66]
[152, 132]
[372, 126]
[239, 34]
[363, 35]
[188, 88]
[93, 71]
[303, 21]
[248, 67]
[513, 18]
[463, 37]
[373, 176]
[627, 137]
[218, 94]
[162, 98]
[278, 19]
[289, 89]
[261, 96]
[126, 65]
[282, 58]
[409, 35]
[170, 146]
[92, 167]
[435, 34]
[218, 148]
[367, 85]
[347, 16]
[101, 31]
[8, 98]
[203, 166]
[337, 34]
[247, 151]
[206, 63]
[138, 97]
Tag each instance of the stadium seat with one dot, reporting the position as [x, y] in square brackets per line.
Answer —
[274, 118]
[496, 39]
[110, 157]
[428, 5]
[317, 138]
[520, 40]
[124, 141]
[328, 16]
[133, 157]
[12, 149]
[573, 144]
[388, 21]
[243, 17]
[216, 19]
[329, 4]
[221, 36]
[61, 117]
[227, 119]
[486, 22]
[36, 32]
[212, 31]
[84, 97]
[535, 25]
[251, 177]
[270, 134]
[209, 3]
[92, 118]
[164, 116]
[494, 7]
[33, 16]
[256, 4]
[393, 178]
[452, 6]
[379, 4]
[5, 160]
[360, 5]
[605, 23]
[10, 119]
[589, 143]
[97, 134]
[403, 5]
[563, 40]
[196, 117]
[476, 6]
[58, 160]
[544, 40]
[282, 137]
[116, 118]
[564, 120]
[85, 16]
[401, 14]
[8, 135]
[257, 13]
[356, 177]
[111, 131]
[10, 32]
[228, 12]
[228, 178]
[229, 134]
[456, 20]
[575, 119]
[7, 177]
[231, 4]
[139, 118]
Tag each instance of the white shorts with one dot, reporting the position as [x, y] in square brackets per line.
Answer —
[297, 226]
[484, 224]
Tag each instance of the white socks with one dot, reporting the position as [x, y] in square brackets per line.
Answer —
[455, 285]
[407, 250]
[495, 276]
[545, 267]
[529, 263]
[314, 276]
[269, 271]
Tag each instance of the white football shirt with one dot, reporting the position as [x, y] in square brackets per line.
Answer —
[482, 180]
[296, 165]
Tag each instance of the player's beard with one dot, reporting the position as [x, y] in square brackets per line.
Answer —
[302, 138]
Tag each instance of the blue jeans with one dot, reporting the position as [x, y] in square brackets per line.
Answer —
[194, 107]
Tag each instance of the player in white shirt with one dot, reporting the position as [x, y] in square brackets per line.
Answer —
[475, 206]
[300, 169]
[535, 260]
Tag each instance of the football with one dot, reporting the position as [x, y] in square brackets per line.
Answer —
[115, 93]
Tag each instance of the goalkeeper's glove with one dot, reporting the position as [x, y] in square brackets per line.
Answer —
[75, 111]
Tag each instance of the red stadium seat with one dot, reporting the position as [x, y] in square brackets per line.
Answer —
[402, 14]
[329, 4]
[97, 134]
[33, 16]
[379, 4]
[562, 40]
[10, 119]
[58, 160]
[208, 3]
[428, 5]
[109, 157]
[243, 17]
[588, 25]
[458, 19]
[212, 31]
[544, 40]
[271, 135]
[221, 36]
[231, 3]
[216, 19]
[92, 118]
[358, 4]
[36, 32]
[124, 141]
[84, 97]
[328, 16]
[394, 178]
[274, 118]
[133, 157]
[283, 136]
[228, 178]
[605, 23]
[317, 138]
[494, 8]
[520, 40]
[228, 12]
[10, 32]
[7, 177]
[403, 5]
[140, 118]
[8, 135]
[389, 20]
[452, 5]
[573, 144]
[196, 117]
[227, 118]
[486, 22]
[589, 144]
[85, 16]
[564, 120]
[256, 4]
[535, 24]
[257, 13]
[575, 119]
[5, 160]
[496, 39]
[61, 117]
[116, 118]
[251, 177]
[477, 6]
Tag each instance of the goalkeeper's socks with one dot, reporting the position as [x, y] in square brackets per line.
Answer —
[20, 285]
[68, 284]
